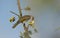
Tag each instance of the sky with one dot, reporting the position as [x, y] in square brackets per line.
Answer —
[46, 13]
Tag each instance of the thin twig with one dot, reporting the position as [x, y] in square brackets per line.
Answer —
[14, 13]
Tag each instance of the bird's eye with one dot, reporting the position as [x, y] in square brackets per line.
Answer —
[12, 19]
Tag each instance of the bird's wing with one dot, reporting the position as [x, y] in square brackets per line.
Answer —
[16, 24]
[19, 8]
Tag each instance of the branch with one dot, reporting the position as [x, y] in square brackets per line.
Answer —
[19, 8]
[14, 13]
